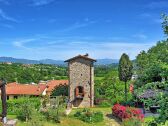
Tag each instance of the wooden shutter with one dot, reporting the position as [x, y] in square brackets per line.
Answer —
[76, 91]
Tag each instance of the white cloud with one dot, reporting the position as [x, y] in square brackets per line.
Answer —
[140, 36]
[4, 16]
[21, 43]
[63, 48]
[78, 25]
[41, 2]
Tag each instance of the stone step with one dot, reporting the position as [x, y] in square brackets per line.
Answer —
[11, 122]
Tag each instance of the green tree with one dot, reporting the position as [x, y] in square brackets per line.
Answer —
[125, 70]
[151, 65]
[165, 24]
[60, 91]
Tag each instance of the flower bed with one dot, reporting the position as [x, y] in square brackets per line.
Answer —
[123, 112]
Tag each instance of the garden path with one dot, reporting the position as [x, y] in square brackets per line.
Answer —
[111, 121]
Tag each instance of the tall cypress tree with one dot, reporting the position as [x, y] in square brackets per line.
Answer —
[125, 70]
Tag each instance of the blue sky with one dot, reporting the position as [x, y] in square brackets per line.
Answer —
[60, 29]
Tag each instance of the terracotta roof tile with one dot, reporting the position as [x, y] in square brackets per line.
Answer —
[55, 83]
[24, 89]
[81, 56]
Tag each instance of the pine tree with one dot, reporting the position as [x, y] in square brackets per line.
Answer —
[125, 70]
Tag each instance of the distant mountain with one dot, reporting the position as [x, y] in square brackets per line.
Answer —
[15, 60]
[50, 61]
[106, 61]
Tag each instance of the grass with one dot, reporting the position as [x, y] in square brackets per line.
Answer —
[69, 120]
[98, 78]
[148, 119]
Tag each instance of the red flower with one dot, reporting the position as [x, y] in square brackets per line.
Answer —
[123, 112]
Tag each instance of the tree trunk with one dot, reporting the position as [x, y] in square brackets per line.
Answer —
[125, 91]
[4, 106]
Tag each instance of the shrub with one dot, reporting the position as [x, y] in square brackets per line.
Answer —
[131, 122]
[24, 111]
[77, 114]
[89, 116]
[105, 104]
[163, 117]
[60, 91]
[123, 112]
[98, 117]
[14, 104]
[36, 119]
[52, 114]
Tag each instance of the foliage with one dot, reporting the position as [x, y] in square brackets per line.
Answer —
[151, 66]
[29, 111]
[165, 23]
[105, 104]
[14, 104]
[60, 91]
[45, 100]
[23, 73]
[102, 70]
[123, 112]
[164, 109]
[52, 114]
[131, 122]
[159, 87]
[31, 73]
[125, 70]
[110, 89]
[36, 119]
[129, 116]
[89, 116]
[25, 111]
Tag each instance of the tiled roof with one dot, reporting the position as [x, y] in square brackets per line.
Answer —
[55, 83]
[30, 89]
[81, 56]
[24, 89]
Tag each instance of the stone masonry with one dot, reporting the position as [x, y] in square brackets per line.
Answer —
[81, 74]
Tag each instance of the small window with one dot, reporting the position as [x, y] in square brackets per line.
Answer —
[81, 74]
[80, 89]
[7, 97]
[15, 97]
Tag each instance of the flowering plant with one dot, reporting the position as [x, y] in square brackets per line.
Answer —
[125, 112]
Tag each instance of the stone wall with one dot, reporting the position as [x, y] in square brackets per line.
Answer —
[81, 73]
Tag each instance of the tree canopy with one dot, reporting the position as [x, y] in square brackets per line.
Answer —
[165, 24]
[125, 70]
[152, 65]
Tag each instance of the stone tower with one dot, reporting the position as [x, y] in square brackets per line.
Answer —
[81, 81]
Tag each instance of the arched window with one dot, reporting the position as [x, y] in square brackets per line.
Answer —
[79, 91]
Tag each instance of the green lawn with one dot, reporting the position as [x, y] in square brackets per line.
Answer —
[70, 120]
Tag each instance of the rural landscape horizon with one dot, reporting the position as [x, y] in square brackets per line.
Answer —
[84, 62]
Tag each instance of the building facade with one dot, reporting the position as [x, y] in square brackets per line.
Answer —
[15, 90]
[81, 81]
